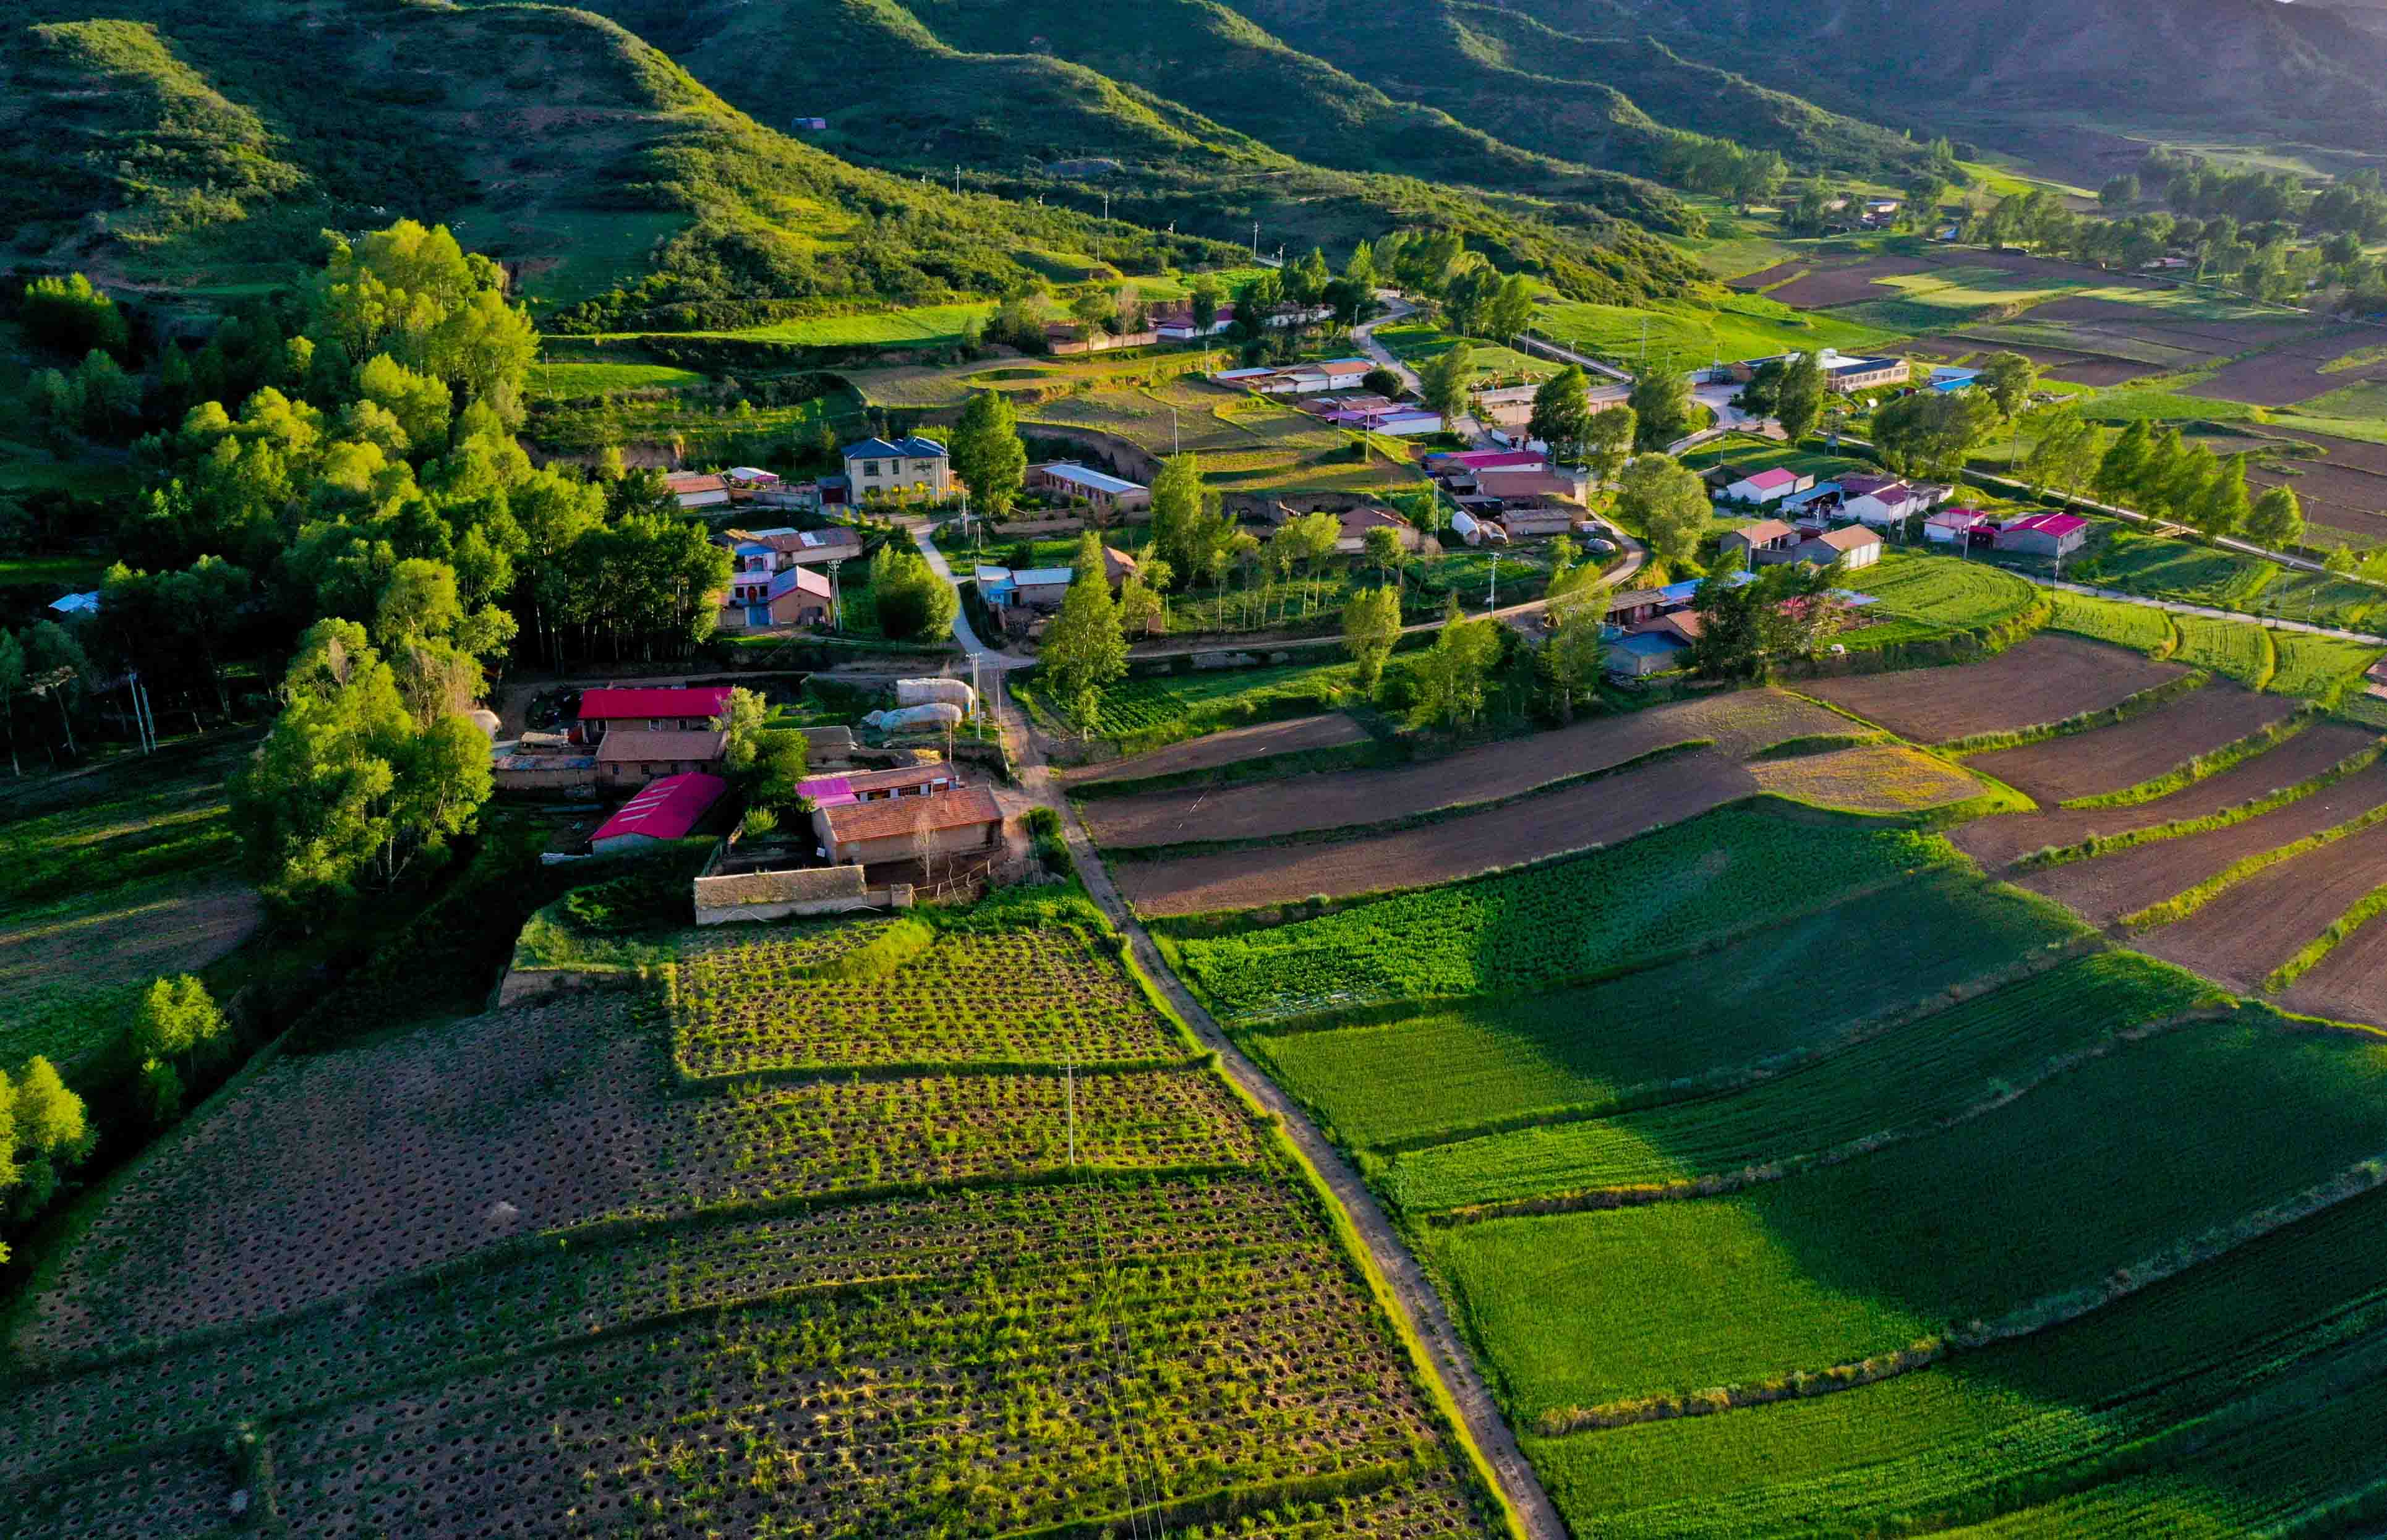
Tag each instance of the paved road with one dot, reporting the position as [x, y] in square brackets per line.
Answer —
[1449, 1358]
[1397, 309]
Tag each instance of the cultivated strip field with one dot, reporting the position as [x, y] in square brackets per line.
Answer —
[1997, 842]
[2112, 758]
[2260, 922]
[525, 1274]
[2350, 983]
[2044, 679]
[1332, 730]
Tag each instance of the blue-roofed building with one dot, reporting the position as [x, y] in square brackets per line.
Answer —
[1647, 653]
[914, 467]
[1946, 379]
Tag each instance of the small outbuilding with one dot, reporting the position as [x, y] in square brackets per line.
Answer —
[2055, 535]
[1770, 485]
[669, 809]
[1767, 538]
[634, 756]
[1856, 545]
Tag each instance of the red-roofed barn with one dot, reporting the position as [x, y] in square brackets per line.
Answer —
[667, 809]
[675, 708]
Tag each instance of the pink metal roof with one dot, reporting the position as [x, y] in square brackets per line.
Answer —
[1490, 459]
[1957, 518]
[1775, 477]
[2051, 524]
[667, 809]
[607, 704]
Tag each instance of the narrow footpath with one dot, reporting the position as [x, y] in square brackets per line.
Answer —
[1447, 1356]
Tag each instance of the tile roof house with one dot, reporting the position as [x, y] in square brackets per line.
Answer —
[951, 821]
[1858, 546]
[1892, 505]
[1954, 525]
[1098, 489]
[636, 755]
[793, 596]
[694, 489]
[668, 809]
[1357, 521]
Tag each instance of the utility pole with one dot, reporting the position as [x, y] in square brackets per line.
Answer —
[1256, 240]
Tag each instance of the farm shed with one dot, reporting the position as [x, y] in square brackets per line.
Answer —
[1644, 604]
[636, 755]
[1097, 489]
[827, 748]
[958, 820]
[2057, 534]
[1856, 545]
[871, 786]
[1468, 527]
[1768, 486]
[514, 768]
[657, 709]
[1041, 586]
[1531, 517]
[1647, 653]
[694, 490]
[1550, 481]
[754, 896]
[1473, 460]
[670, 809]
[1766, 540]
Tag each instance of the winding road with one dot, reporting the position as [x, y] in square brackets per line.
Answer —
[1449, 1358]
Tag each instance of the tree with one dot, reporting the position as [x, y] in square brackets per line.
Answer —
[1450, 676]
[12, 679]
[1188, 525]
[419, 403]
[1799, 397]
[2008, 378]
[1380, 381]
[1446, 381]
[1930, 433]
[1609, 442]
[2221, 506]
[68, 316]
[1371, 624]
[1785, 611]
[1095, 310]
[175, 1024]
[1562, 413]
[1666, 505]
[2276, 522]
[987, 453]
[55, 666]
[1576, 654]
[2122, 465]
[764, 764]
[42, 1131]
[912, 601]
[2066, 455]
[1084, 651]
[1382, 547]
[1142, 611]
[2119, 192]
[1756, 176]
[1662, 408]
[1205, 298]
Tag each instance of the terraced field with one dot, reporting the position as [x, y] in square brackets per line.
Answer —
[816, 1245]
[2042, 681]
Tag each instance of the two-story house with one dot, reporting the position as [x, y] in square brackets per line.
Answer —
[914, 467]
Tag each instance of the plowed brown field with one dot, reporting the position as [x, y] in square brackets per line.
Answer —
[2108, 887]
[2239, 937]
[2290, 371]
[1739, 724]
[2044, 679]
[1237, 744]
[2109, 759]
[1995, 842]
[2350, 984]
[1596, 812]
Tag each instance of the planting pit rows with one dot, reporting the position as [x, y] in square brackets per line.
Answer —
[1262, 740]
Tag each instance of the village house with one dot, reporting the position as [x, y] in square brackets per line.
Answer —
[1174, 322]
[924, 779]
[1550, 481]
[1768, 486]
[1766, 540]
[955, 821]
[1956, 526]
[1856, 545]
[675, 708]
[667, 809]
[1533, 518]
[777, 550]
[1630, 610]
[914, 467]
[695, 490]
[1044, 587]
[1656, 646]
[2055, 535]
[793, 596]
[633, 756]
[1100, 490]
[1849, 375]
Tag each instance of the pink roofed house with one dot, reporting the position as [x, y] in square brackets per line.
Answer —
[1768, 486]
[2055, 535]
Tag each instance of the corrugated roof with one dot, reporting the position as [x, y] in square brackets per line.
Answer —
[612, 703]
[955, 807]
[667, 809]
[640, 745]
[1086, 475]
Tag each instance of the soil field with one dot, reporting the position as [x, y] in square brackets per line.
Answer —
[1332, 730]
[2044, 679]
[2239, 937]
[1823, 288]
[2109, 759]
[2350, 984]
[2104, 888]
[2290, 373]
[2147, 323]
[2335, 496]
[1739, 724]
[1598, 813]
[1995, 842]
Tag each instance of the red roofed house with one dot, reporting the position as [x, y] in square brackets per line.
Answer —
[673, 708]
[694, 489]
[1768, 486]
[957, 820]
[669, 809]
[2057, 534]
[1954, 526]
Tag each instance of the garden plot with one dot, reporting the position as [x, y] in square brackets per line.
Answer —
[2105, 887]
[2151, 1147]
[1008, 1402]
[1901, 1083]
[1997, 842]
[1432, 1073]
[1235, 746]
[910, 997]
[1605, 810]
[2044, 679]
[2262, 921]
[1884, 778]
[1746, 721]
[2111, 759]
[172, 1497]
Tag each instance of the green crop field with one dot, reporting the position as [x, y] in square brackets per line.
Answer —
[1945, 590]
[1730, 870]
[2140, 1150]
[1436, 1072]
[572, 381]
[2233, 649]
[2140, 625]
[2161, 568]
[2317, 667]
[1898, 1083]
[918, 326]
[1149, 710]
[1738, 327]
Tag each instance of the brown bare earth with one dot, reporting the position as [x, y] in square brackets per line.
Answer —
[2044, 679]
[2345, 491]
[1739, 724]
[1996, 842]
[1596, 812]
[2290, 371]
[1825, 287]
[2350, 984]
[2106, 887]
[2239, 937]
[2109, 759]
[1332, 730]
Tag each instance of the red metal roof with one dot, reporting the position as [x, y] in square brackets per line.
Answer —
[667, 809]
[611, 703]
[2058, 525]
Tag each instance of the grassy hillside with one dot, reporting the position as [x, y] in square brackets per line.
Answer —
[552, 139]
[1183, 114]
